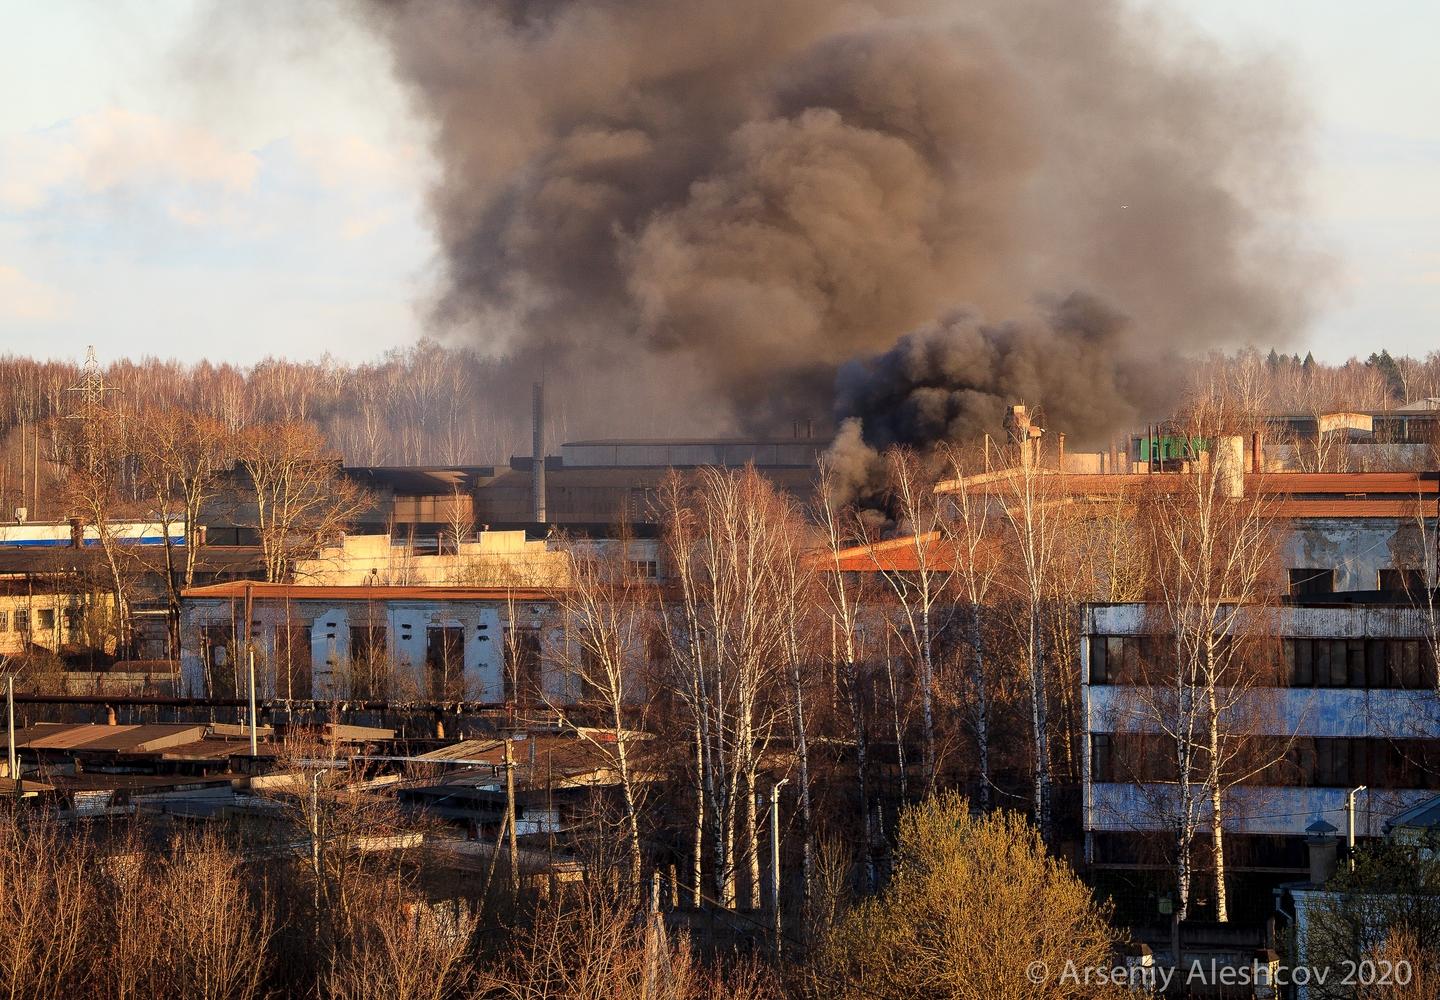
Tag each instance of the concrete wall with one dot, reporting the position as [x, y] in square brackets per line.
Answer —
[1323, 712]
[1340, 622]
[1133, 808]
[1357, 548]
[492, 559]
[33, 608]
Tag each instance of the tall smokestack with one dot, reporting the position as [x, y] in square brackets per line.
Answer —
[537, 452]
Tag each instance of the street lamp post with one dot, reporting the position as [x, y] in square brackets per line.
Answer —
[775, 861]
[1350, 824]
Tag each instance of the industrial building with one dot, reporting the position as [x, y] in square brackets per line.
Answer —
[1353, 704]
[589, 488]
[482, 644]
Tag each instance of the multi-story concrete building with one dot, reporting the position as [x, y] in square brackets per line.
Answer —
[1353, 702]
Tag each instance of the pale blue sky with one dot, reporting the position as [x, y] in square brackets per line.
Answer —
[161, 196]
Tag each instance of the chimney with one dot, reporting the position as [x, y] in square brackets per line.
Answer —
[1322, 844]
[537, 459]
[1023, 433]
[1060, 451]
[1257, 458]
[1230, 453]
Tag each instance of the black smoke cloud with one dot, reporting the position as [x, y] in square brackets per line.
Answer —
[717, 205]
[953, 379]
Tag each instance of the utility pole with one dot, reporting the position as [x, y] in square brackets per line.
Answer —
[510, 818]
[250, 657]
[1350, 823]
[775, 861]
[315, 835]
[11, 759]
[254, 737]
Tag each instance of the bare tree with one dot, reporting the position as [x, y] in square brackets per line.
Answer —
[301, 498]
[1214, 546]
[606, 613]
[922, 585]
[725, 643]
[1030, 500]
[845, 595]
[971, 540]
[180, 455]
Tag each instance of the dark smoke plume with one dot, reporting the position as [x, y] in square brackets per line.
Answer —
[951, 380]
[732, 199]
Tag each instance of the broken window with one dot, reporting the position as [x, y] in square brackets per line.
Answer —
[1311, 581]
[522, 666]
[445, 661]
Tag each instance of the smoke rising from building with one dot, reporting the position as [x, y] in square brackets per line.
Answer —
[739, 199]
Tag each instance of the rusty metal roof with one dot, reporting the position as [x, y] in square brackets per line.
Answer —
[172, 741]
[895, 555]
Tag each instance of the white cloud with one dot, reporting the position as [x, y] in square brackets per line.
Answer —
[344, 161]
[116, 149]
[23, 298]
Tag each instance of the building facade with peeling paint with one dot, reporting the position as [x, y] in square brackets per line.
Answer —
[373, 642]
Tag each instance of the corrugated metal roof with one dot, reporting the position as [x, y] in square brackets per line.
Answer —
[8, 786]
[173, 741]
[463, 750]
[145, 738]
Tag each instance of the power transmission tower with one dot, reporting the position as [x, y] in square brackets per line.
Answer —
[92, 390]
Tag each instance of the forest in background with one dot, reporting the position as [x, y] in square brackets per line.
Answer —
[436, 405]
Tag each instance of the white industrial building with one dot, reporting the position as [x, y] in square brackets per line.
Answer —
[479, 644]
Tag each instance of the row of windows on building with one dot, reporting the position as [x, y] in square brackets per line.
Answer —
[1326, 762]
[42, 620]
[369, 654]
[1312, 581]
[1304, 662]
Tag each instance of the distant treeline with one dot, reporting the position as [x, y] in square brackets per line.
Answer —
[436, 405]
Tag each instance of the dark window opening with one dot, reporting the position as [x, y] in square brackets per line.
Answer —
[445, 661]
[1309, 581]
[369, 662]
[293, 676]
[522, 666]
[1402, 581]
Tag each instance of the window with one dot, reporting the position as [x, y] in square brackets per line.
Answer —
[1125, 659]
[369, 661]
[445, 660]
[522, 665]
[1308, 581]
[1402, 581]
[73, 621]
[367, 643]
[217, 645]
[46, 619]
[292, 661]
[22, 620]
[4, 621]
[1358, 663]
[645, 568]
[1102, 763]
